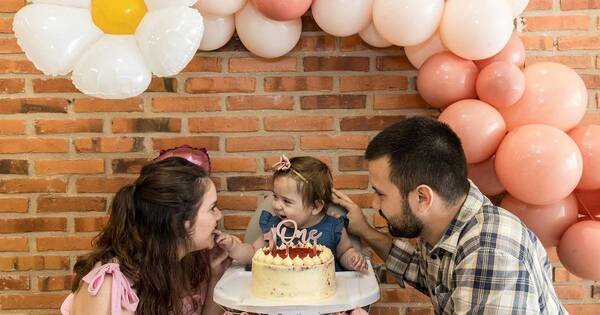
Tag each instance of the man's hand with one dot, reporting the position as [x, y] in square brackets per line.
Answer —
[358, 223]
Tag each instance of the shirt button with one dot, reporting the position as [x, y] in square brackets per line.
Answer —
[434, 257]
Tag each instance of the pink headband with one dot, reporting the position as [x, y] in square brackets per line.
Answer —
[284, 164]
[198, 156]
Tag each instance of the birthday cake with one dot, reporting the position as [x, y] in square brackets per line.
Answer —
[292, 272]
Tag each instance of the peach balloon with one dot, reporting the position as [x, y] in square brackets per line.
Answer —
[539, 164]
[588, 141]
[501, 84]
[446, 78]
[484, 176]
[282, 10]
[371, 36]
[265, 37]
[589, 201]
[418, 54]
[407, 22]
[554, 95]
[218, 30]
[513, 52]
[342, 17]
[220, 7]
[478, 125]
[548, 222]
[579, 249]
[476, 29]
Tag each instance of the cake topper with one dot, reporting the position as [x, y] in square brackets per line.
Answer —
[280, 231]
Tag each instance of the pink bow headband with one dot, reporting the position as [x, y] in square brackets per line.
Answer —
[284, 164]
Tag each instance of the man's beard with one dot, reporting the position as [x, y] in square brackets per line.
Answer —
[407, 226]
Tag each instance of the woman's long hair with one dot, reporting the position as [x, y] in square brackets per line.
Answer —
[146, 234]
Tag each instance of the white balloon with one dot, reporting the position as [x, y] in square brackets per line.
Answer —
[169, 38]
[113, 68]
[265, 37]
[418, 54]
[161, 4]
[53, 37]
[218, 30]
[342, 17]
[68, 3]
[370, 36]
[220, 7]
[518, 6]
[476, 29]
[407, 22]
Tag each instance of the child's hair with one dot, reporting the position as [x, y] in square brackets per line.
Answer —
[313, 178]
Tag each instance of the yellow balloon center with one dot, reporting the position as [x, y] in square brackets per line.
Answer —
[119, 17]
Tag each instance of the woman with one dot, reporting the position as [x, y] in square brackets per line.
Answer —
[155, 255]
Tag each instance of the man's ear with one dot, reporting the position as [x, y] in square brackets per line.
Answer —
[424, 197]
[317, 207]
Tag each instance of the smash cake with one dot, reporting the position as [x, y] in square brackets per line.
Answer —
[299, 269]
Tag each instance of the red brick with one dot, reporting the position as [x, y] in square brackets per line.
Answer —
[237, 202]
[208, 142]
[289, 84]
[32, 300]
[14, 167]
[393, 63]
[121, 125]
[256, 64]
[357, 142]
[96, 105]
[64, 243]
[591, 81]
[540, 5]
[202, 63]
[570, 292]
[563, 275]
[362, 123]
[559, 23]
[168, 85]
[578, 42]
[14, 283]
[70, 204]
[352, 163]
[11, 6]
[128, 166]
[55, 283]
[298, 123]
[579, 4]
[254, 102]
[102, 184]
[90, 224]
[373, 83]
[538, 42]
[315, 43]
[333, 101]
[186, 104]
[59, 126]
[33, 105]
[24, 225]
[259, 143]
[223, 124]
[583, 309]
[232, 164]
[17, 66]
[220, 85]
[379, 221]
[25, 263]
[399, 101]
[249, 183]
[53, 167]
[10, 86]
[402, 295]
[576, 62]
[384, 310]
[32, 185]
[12, 127]
[9, 46]
[351, 181]
[18, 205]
[13, 244]
[330, 63]
[109, 145]
[236, 222]
[6, 24]
[53, 86]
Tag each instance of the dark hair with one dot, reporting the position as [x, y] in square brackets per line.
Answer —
[316, 182]
[423, 151]
[146, 233]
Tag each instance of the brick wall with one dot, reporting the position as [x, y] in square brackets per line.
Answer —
[63, 154]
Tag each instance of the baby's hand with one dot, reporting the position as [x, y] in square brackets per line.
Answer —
[359, 262]
[225, 241]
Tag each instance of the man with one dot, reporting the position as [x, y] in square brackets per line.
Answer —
[471, 257]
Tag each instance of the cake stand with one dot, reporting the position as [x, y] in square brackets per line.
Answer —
[354, 289]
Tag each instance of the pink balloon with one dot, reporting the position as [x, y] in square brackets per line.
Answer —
[579, 249]
[446, 78]
[282, 10]
[500, 84]
[588, 141]
[198, 156]
[547, 222]
[479, 126]
[513, 52]
[589, 200]
[539, 164]
[484, 176]
[554, 95]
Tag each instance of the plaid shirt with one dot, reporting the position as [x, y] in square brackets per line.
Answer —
[487, 262]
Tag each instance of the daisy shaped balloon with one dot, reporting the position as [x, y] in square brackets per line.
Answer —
[112, 47]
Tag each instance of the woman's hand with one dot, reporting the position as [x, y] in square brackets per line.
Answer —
[219, 262]
[357, 221]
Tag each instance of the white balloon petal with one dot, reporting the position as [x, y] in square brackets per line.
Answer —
[218, 30]
[220, 7]
[418, 54]
[168, 44]
[518, 6]
[161, 4]
[53, 37]
[371, 36]
[68, 3]
[113, 68]
[342, 17]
